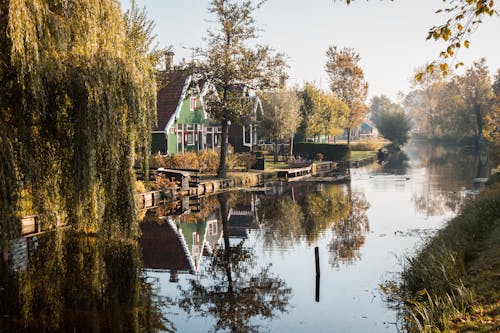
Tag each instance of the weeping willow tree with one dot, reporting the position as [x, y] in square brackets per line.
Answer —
[77, 103]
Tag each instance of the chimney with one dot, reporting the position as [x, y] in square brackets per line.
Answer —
[169, 61]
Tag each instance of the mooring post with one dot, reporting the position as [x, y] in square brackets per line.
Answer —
[317, 289]
[316, 257]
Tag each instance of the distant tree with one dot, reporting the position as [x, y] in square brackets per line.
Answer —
[395, 126]
[307, 106]
[423, 107]
[233, 64]
[347, 82]
[478, 95]
[452, 118]
[281, 116]
[328, 116]
[381, 104]
[492, 123]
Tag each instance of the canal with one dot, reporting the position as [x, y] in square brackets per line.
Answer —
[244, 261]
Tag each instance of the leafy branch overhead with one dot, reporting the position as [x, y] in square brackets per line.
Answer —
[464, 18]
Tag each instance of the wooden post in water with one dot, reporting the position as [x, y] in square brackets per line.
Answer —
[316, 257]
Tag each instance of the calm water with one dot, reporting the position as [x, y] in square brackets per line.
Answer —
[245, 261]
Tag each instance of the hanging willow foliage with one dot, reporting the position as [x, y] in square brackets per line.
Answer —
[77, 103]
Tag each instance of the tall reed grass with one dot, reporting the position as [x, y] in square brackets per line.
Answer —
[430, 291]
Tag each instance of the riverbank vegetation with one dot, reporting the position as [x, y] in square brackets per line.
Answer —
[452, 283]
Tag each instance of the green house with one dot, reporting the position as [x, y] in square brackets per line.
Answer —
[182, 124]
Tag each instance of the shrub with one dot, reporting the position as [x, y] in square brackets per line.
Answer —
[366, 145]
[395, 127]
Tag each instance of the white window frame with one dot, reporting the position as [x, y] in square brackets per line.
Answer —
[193, 103]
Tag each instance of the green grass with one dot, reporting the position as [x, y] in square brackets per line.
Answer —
[451, 285]
[357, 155]
[273, 166]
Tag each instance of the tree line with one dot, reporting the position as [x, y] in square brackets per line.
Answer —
[457, 106]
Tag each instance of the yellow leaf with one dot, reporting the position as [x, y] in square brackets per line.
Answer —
[466, 44]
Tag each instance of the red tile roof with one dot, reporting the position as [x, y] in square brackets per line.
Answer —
[168, 97]
[162, 248]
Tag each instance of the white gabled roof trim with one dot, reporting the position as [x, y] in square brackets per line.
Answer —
[179, 104]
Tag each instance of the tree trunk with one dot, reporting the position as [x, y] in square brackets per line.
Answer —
[291, 147]
[479, 122]
[348, 135]
[222, 170]
[275, 145]
[222, 198]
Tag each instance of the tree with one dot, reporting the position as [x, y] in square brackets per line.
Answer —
[233, 66]
[306, 108]
[423, 104]
[379, 105]
[395, 126]
[281, 116]
[478, 95]
[328, 116]
[347, 82]
[492, 126]
[78, 100]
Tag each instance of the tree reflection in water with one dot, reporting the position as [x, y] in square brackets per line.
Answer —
[349, 232]
[450, 165]
[77, 283]
[305, 212]
[235, 292]
[397, 164]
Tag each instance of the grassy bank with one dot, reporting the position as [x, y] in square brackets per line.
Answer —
[453, 283]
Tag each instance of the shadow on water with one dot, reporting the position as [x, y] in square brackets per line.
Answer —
[67, 282]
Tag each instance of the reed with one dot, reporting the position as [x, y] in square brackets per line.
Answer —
[437, 287]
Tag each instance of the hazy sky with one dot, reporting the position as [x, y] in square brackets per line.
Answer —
[389, 36]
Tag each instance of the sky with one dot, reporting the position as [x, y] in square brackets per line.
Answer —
[390, 36]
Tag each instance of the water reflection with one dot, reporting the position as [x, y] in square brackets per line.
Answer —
[349, 235]
[77, 283]
[234, 289]
[307, 211]
[397, 163]
[449, 174]
[206, 262]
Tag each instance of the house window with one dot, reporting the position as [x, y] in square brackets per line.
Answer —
[189, 135]
[193, 103]
[190, 139]
[247, 134]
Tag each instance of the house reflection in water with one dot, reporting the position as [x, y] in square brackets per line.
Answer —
[178, 247]
[243, 216]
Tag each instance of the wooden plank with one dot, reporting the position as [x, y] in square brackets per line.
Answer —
[28, 224]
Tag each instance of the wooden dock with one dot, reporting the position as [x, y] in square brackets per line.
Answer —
[294, 174]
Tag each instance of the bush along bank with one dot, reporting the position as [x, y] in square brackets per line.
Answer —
[453, 283]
